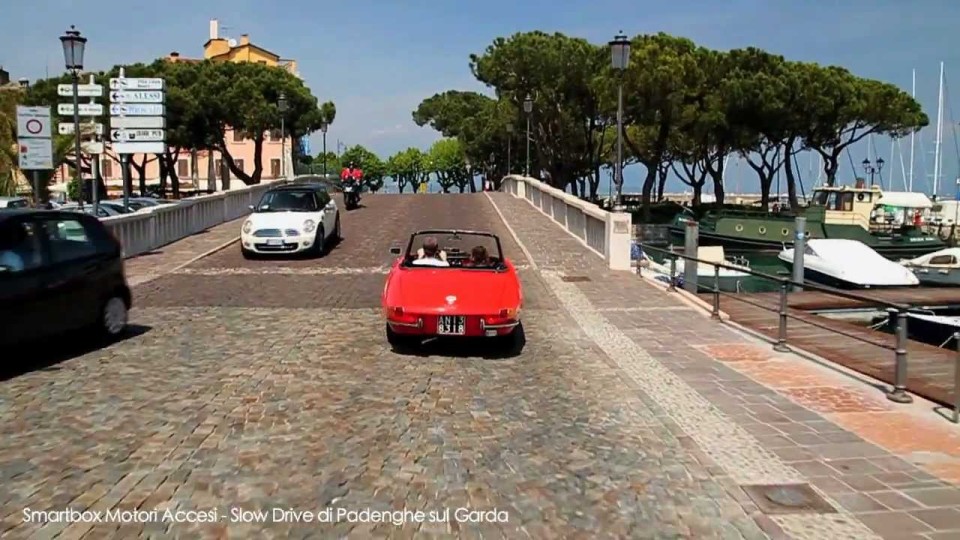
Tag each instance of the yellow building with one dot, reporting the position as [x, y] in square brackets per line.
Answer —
[230, 50]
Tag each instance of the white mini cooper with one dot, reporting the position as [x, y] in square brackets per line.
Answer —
[291, 219]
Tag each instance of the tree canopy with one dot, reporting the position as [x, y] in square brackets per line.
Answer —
[204, 100]
[685, 108]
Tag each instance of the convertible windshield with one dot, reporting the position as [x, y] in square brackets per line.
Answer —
[288, 201]
[459, 250]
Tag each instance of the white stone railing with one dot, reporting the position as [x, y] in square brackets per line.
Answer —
[607, 234]
[143, 232]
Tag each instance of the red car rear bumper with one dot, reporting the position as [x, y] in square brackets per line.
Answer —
[426, 325]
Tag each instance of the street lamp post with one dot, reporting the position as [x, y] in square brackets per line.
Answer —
[873, 168]
[528, 108]
[73, 45]
[509, 144]
[620, 49]
[323, 129]
[282, 107]
[488, 185]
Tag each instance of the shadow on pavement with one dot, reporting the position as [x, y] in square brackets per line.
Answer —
[486, 348]
[47, 354]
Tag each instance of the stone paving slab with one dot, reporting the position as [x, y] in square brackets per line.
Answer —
[797, 431]
[149, 266]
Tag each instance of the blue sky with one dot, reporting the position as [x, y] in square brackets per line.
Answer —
[377, 59]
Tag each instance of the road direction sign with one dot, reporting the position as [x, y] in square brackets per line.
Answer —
[66, 128]
[35, 154]
[139, 147]
[136, 109]
[83, 90]
[136, 96]
[86, 109]
[138, 122]
[136, 135]
[136, 84]
[33, 122]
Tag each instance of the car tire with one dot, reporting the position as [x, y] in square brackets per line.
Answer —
[247, 254]
[512, 343]
[113, 317]
[337, 236]
[319, 243]
[398, 342]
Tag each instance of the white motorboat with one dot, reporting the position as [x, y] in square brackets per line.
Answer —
[730, 278]
[938, 268]
[849, 264]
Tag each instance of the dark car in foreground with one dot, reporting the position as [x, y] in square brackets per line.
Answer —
[59, 271]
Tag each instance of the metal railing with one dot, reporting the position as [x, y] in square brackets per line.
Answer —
[897, 315]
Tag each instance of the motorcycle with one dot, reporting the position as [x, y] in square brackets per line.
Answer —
[351, 195]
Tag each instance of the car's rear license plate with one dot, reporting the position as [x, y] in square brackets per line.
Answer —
[451, 325]
[275, 242]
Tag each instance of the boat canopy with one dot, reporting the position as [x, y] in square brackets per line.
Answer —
[905, 199]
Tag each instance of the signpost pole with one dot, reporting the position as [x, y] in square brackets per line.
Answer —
[76, 129]
[94, 164]
[36, 188]
[125, 169]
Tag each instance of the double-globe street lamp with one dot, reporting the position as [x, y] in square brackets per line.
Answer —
[528, 108]
[282, 107]
[620, 49]
[873, 167]
[73, 44]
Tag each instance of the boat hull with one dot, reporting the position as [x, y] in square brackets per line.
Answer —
[930, 277]
[737, 245]
[821, 278]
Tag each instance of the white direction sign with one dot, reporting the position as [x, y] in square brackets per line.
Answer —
[136, 135]
[138, 122]
[136, 109]
[66, 128]
[35, 154]
[136, 96]
[91, 147]
[140, 147]
[33, 122]
[86, 109]
[83, 90]
[136, 84]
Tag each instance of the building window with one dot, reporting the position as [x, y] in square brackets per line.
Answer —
[239, 164]
[106, 167]
[237, 136]
[275, 168]
[275, 135]
[183, 168]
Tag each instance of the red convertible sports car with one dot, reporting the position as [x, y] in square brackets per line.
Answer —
[452, 283]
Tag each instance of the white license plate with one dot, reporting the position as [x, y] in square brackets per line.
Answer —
[451, 325]
[275, 242]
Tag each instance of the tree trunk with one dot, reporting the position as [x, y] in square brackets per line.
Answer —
[648, 183]
[831, 164]
[791, 178]
[211, 172]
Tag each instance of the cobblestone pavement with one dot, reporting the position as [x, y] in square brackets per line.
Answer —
[760, 418]
[256, 388]
[149, 266]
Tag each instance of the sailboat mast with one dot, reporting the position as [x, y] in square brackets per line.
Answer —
[937, 155]
[913, 135]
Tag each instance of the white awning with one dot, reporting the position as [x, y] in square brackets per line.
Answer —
[905, 199]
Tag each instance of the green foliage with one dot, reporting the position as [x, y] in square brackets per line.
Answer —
[685, 107]
[73, 189]
[408, 167]
[448, 162]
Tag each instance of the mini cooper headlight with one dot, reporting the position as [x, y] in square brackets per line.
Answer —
[309, 226]
[247, 225]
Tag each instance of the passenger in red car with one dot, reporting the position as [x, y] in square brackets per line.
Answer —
[478, 257]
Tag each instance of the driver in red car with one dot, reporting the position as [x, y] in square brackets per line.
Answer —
[430, 255]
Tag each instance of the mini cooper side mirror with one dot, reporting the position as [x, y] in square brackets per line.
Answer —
[250, 207]
[395, 250]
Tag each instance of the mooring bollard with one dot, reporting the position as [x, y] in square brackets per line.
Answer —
[956, 381]
[781, 345]
[673, 274]
[716, 292]
[899, 393]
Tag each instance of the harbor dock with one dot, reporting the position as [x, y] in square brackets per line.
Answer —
[930, 371]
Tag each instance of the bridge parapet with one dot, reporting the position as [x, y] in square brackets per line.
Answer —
[608, 234]
[143, 232]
